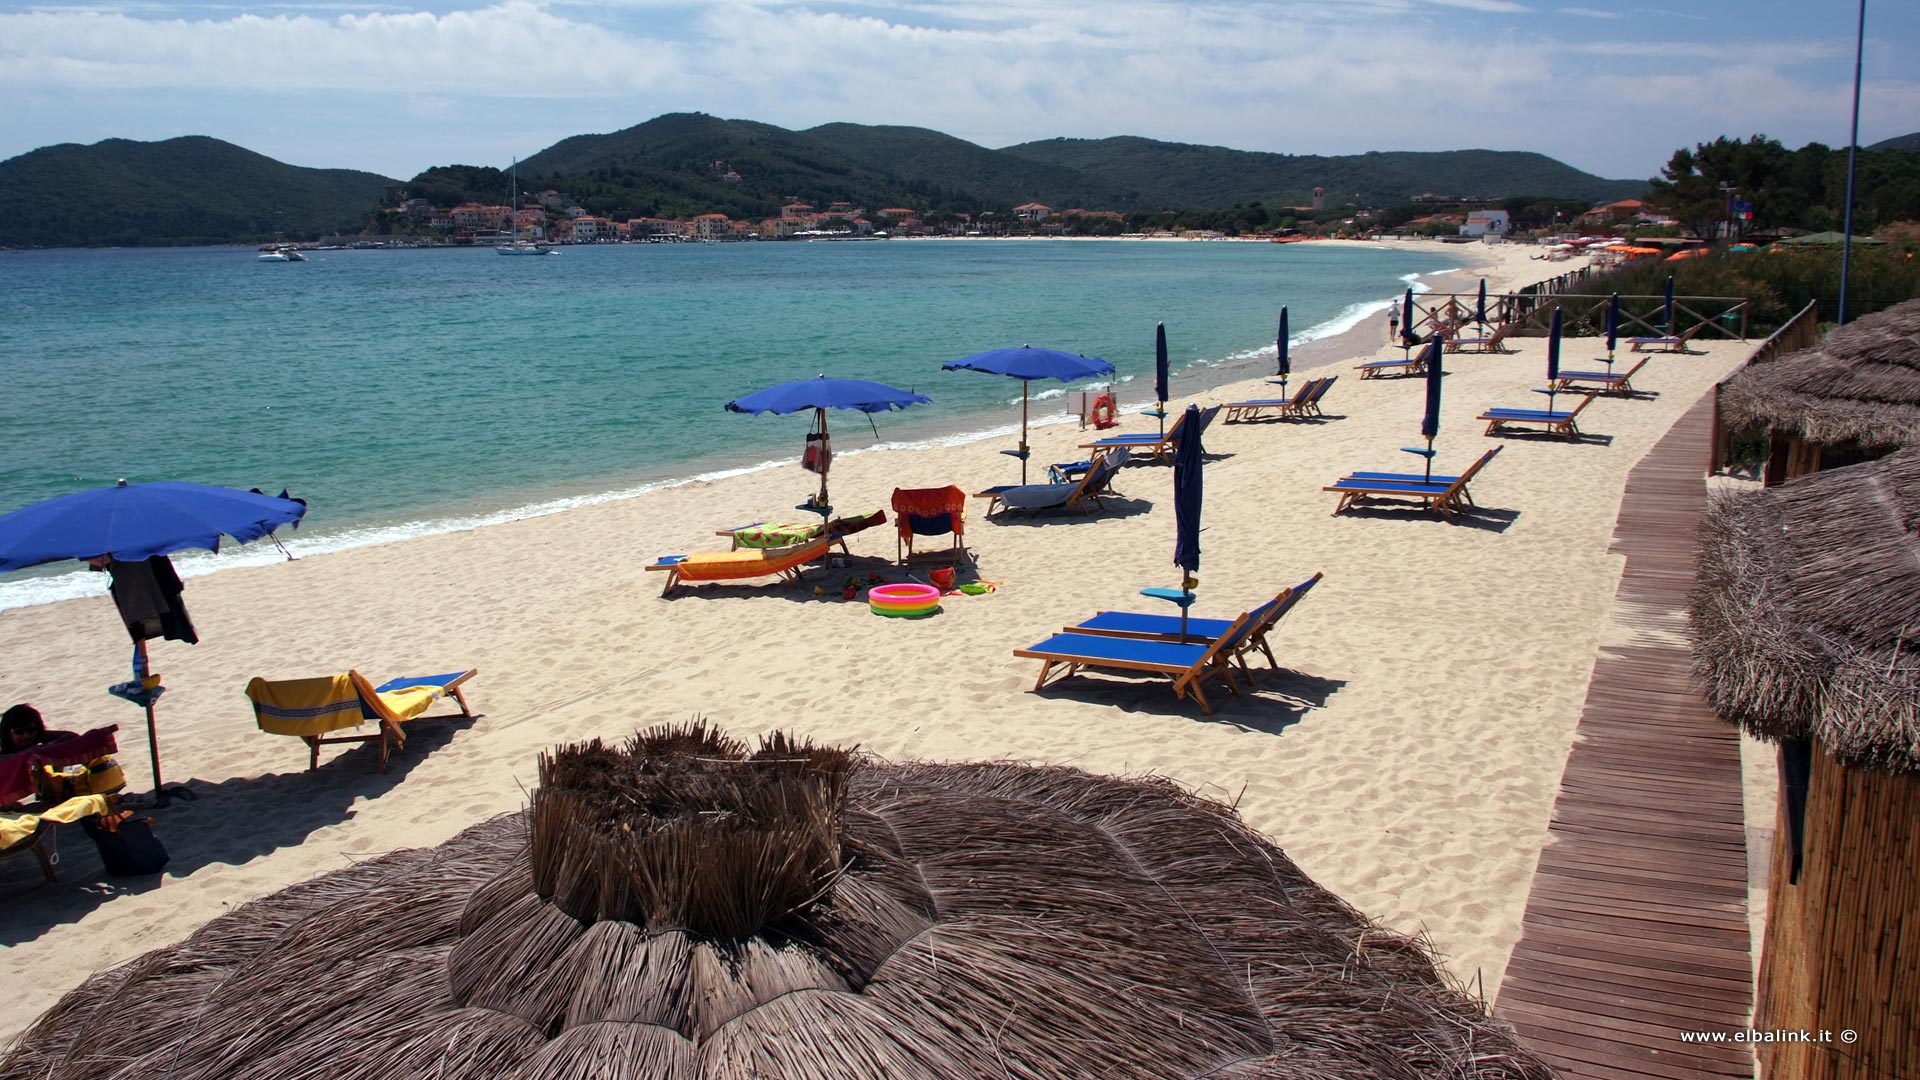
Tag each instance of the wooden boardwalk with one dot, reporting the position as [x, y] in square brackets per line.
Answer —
[1636, 928]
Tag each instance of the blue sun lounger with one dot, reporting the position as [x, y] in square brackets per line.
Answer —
[1188, 665]
[1248, 410]
[1447, 495]
[1562, 423]
[1620, 381]
[1083, 494]
[1157, 445]
[1198, 630]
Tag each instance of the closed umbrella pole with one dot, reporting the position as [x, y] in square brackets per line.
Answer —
[1480, 306]
[1283, 366]
[1430, 419]
[1408, 339]
[1187, 460]
[1669, 308]
[1553, 358]
[1613, 327]
[1160, 374]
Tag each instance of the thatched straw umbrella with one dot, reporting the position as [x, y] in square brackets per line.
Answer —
[1854, 396]
[1806, 616]
[681, 908]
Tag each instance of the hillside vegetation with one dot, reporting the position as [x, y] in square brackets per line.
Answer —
[191, 190]
[200, 190]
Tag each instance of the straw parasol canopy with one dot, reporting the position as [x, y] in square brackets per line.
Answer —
[1806, 611]
[683, 907]
[1861, 384]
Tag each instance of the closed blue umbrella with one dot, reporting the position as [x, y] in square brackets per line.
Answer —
[1408, 338]
[1027, 363]
[1553, 358]
[1284, 366]
[132, 523]
[1160, 373]
[1188, 457]
[1430, 419]
[1613, 327]
[820, 394]
[1480, 305]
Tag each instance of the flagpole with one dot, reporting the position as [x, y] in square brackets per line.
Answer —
[1853, 152]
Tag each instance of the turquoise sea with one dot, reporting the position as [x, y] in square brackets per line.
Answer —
[413, 391]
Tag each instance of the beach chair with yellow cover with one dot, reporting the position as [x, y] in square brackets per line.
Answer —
[742, 563]
[312, 709]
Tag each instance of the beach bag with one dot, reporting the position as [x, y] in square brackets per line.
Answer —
[127, 845]
[101, 776]
[818, 455]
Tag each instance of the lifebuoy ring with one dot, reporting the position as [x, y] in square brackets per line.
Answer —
[1102, 412]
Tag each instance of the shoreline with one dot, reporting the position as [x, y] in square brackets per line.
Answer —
[1362, 334]
[1406, 755]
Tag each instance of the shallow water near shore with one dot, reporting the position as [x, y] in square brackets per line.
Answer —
[411, 392]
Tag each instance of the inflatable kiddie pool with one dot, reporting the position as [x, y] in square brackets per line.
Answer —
[904, 600]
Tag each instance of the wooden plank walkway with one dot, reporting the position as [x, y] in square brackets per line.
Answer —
[1636, 928]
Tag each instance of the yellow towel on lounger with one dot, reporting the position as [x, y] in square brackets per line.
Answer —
[747, 562]
[331, 702]
[17, 827]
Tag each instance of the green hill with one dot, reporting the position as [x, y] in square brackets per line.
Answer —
[192, 190]
[1150, 175]
[1898, 142]
[934, 162]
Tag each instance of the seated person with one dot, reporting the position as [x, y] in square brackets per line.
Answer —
[21, 728]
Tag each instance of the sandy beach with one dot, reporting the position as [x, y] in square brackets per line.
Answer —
[1406, 756]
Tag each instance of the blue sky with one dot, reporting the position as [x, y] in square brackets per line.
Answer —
[396, 87]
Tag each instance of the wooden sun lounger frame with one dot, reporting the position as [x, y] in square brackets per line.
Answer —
[1186, 680]
[1165, 444]
[1256, 637]
[387, 728]
[1618, 381]
[1413, 364]
[1492, 343]
[1562, 423]
[1283, 406]
[35, 842]
[1672, 343]
[786, 573]
[1448, 500]
[1084, 491]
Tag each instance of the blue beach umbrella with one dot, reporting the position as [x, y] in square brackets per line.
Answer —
[1430, 419]
[1480, 305]
[820, 394]
[1188, 457]
[1408, 339]
[1160, 372]
[1027, 363]
[1284, 366]
[1613, 327]
[131, 523]
[1553, 358]
[1668, 317]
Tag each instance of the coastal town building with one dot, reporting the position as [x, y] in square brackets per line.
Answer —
[1033, 212]
[1486, 223]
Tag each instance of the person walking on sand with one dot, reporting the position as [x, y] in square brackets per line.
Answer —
[1393, 325]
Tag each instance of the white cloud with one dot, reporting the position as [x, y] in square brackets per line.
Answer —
[1310, 76]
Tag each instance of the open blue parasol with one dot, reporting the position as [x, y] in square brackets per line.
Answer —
[131, 523]
[820, 394]
[1027, 363]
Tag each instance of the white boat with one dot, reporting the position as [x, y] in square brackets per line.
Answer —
[280, 253]
[521, 245]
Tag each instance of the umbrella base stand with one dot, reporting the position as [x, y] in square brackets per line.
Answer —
[145, 696]
[1182, 598]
